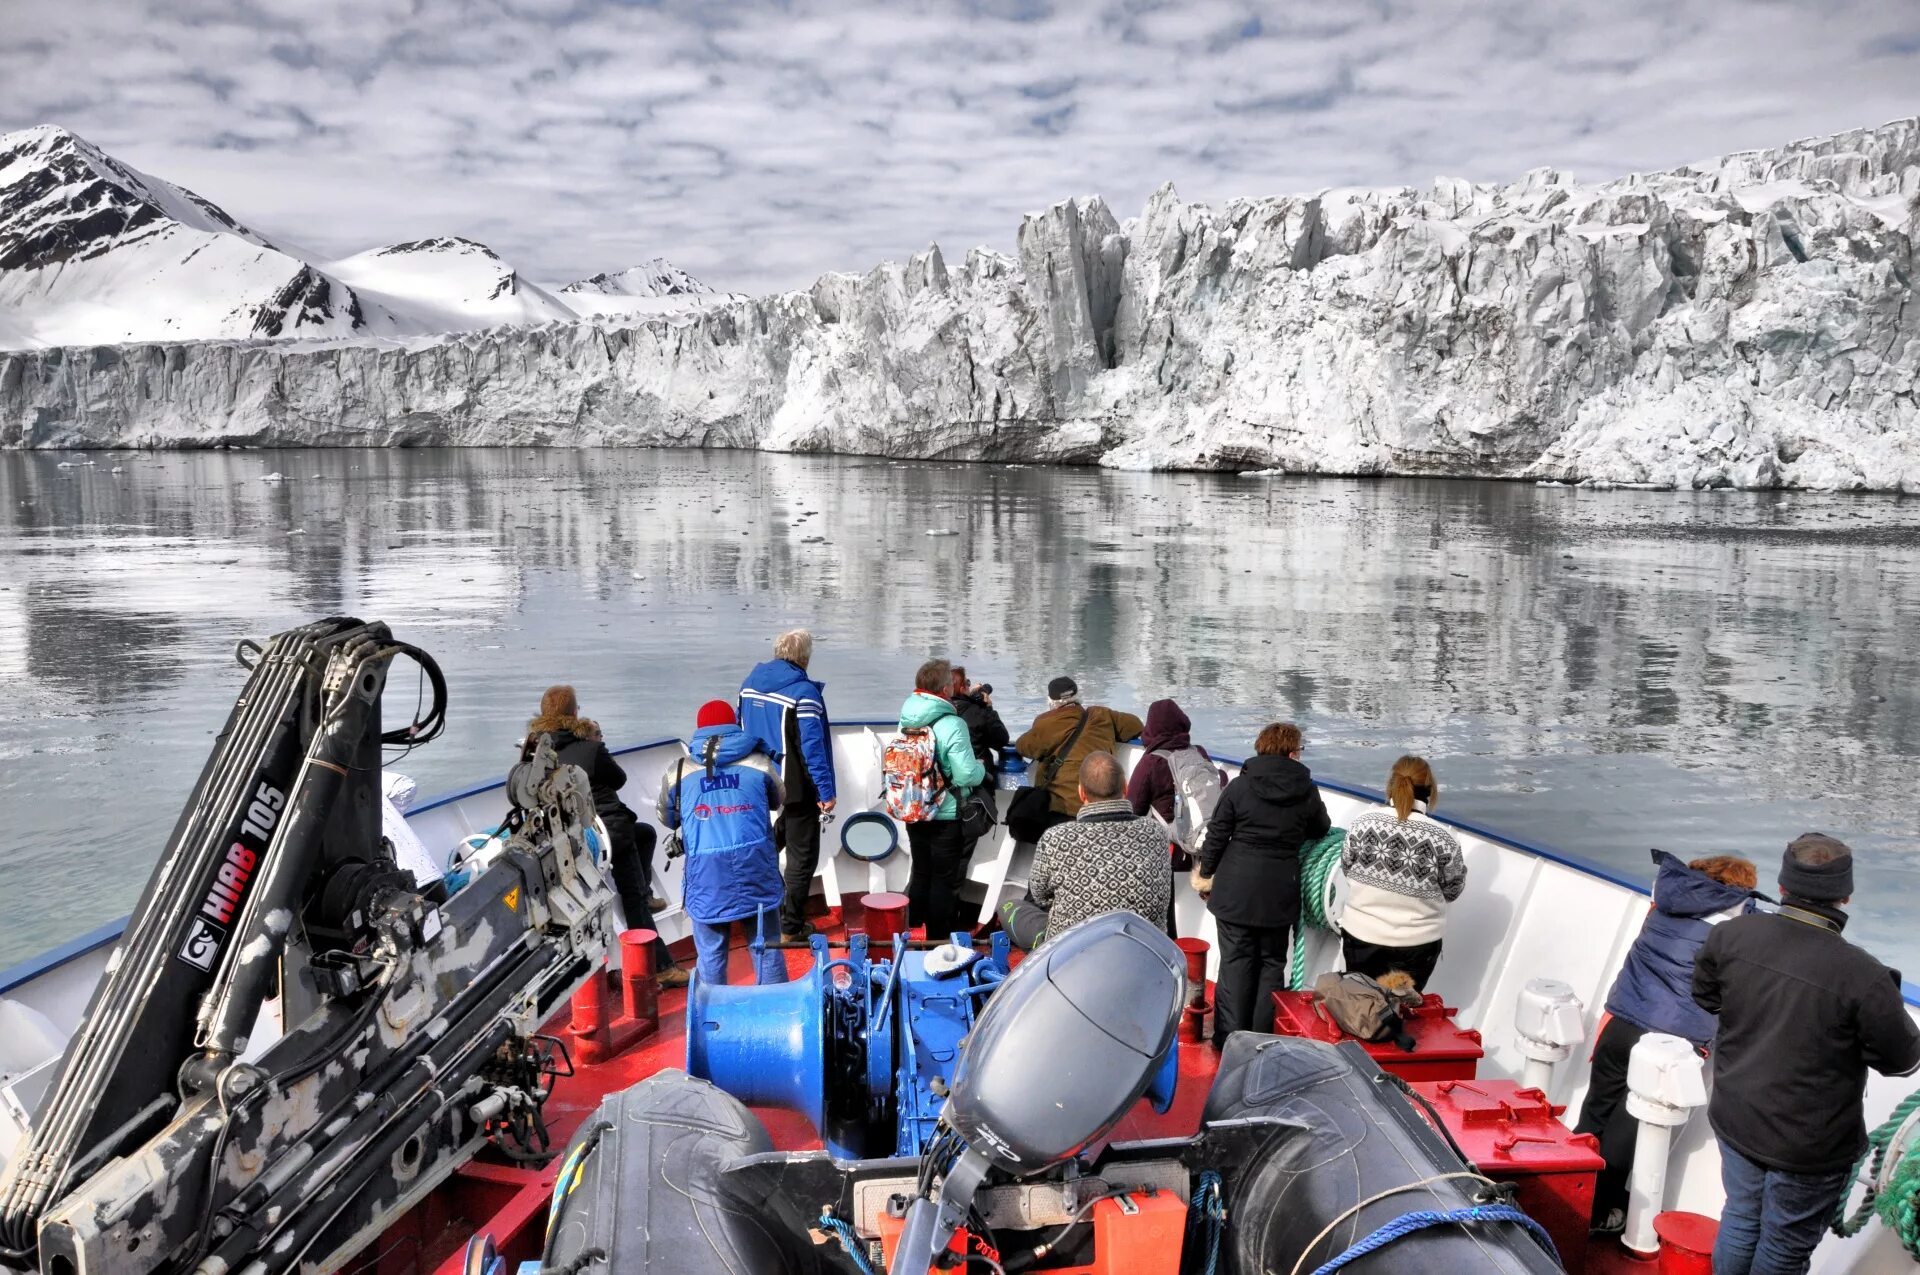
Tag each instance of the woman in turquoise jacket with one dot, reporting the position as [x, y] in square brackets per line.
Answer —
[939, 845]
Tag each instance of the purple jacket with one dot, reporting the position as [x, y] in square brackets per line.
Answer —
[1150, 787]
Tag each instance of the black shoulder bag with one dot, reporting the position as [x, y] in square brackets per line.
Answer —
[1030, 812]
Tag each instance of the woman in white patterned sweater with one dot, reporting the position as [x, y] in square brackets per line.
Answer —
[1402, 870]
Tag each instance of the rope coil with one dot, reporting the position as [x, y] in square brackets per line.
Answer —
[1892, 1188]
[1318, 859]
[1207, 1216]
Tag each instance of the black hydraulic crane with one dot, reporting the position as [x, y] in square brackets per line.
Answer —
[409, 1018]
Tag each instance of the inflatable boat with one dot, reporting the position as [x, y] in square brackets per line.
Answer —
[902, 1103]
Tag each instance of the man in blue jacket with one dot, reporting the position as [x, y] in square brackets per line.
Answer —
[722, 798]
[786, 711]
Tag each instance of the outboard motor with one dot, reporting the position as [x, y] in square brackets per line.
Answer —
[1101, 1005]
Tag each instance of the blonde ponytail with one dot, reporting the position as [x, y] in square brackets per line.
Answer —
[1409, 773]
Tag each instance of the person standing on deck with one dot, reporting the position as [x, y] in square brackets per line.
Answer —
[786, 711]
[1654, 993]
[1153, 789]
[1803, 1015]
[1076, 731]
[577, 742]
[938, 842]
[722, 796]
[1402, 870]
[974, 704]
[1249, 873]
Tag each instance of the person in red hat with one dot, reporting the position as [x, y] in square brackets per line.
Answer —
[722, 797]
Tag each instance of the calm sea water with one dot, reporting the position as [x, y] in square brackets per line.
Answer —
[1602, 672]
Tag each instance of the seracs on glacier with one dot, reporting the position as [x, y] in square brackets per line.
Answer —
[1748, 322]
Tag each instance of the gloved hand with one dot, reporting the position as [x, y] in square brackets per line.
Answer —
[1202, 886]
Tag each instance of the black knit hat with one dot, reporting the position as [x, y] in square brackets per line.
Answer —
[1826, 882]
[1061, 687]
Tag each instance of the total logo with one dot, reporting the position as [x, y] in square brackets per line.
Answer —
[704, 811]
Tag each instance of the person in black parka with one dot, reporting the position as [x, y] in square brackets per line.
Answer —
[1249, 873]
[630, 850]
[974, 704]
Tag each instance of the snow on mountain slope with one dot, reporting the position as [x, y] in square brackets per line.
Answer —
[1749, 322]
[655, 286]
[655, 277]
[93, 251]
[446, 285]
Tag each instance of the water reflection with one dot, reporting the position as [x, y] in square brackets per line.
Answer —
[1603, 671]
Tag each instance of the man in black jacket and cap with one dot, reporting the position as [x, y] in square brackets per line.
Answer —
[1803, 1014]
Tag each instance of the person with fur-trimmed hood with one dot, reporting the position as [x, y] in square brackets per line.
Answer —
[1654, 993]
[577, 742]
[786, 711]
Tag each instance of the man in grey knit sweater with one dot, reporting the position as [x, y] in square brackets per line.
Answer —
[1106, 860]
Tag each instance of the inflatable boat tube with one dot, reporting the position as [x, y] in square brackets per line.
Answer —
[1341, 1133]
[640, 1183]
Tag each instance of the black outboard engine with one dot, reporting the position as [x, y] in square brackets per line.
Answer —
[1100, 1005]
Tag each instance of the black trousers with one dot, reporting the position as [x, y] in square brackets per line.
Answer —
[1376, 959]
[800, 833]
[630, 862]
[940, 852]
[1604, 1114]
[1253, 966]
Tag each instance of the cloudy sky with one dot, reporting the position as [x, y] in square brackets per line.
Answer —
[759, 145]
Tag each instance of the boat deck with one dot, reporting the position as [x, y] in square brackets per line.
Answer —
[510, 1201]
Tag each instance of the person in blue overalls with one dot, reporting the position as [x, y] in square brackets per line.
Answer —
[722, 797]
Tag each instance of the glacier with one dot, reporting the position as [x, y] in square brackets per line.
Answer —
[1747, 322]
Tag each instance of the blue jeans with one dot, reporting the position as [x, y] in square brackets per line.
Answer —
[1772, 1220]
[710, 942]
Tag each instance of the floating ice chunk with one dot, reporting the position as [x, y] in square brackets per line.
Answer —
[1263, 473]
[275, 477]
[298, 531]
[941, 531]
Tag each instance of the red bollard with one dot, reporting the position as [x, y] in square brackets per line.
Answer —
[1686, 1243]
[1193, 1023]
[591, 1032]
[640, 995]
[885, 916]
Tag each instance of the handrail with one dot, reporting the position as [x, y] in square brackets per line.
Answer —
[73, 949]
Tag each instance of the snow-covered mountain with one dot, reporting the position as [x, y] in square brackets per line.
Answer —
[655, 286]
[93, 252]
[446, 285]
[655, 277]
[1745, 322]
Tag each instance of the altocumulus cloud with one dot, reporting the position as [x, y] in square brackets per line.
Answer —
[760, 145]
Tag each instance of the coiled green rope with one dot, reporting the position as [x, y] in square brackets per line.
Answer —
[1898, 1205]
[1318, 859]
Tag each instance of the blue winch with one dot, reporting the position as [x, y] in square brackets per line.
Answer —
[865, 1048]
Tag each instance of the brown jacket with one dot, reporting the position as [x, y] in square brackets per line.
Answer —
[1105, 729]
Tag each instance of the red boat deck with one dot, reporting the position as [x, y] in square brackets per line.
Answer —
[510, 1201]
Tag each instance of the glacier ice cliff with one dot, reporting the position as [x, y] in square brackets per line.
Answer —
[1748, 322]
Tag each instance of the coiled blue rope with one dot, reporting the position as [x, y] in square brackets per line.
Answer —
[1208, 1214]
[848, 1240]
[1420, 1219]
